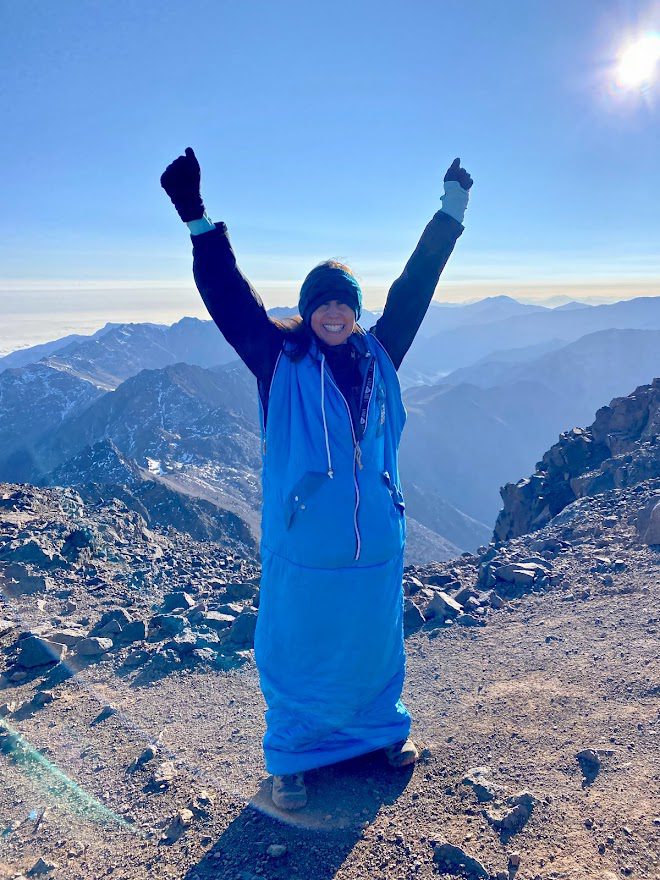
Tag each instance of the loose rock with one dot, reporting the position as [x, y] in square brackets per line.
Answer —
[36, 651]
[177, 826]
[94, 646]
[484, 789]
[41, 866]
[455, 860]
[513, 814]
[442, 605]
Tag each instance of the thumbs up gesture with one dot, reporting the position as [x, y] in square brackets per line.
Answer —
[181, 181]
[459, 174]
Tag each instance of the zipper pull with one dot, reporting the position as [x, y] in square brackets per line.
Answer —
[264, 447]
[358, 455]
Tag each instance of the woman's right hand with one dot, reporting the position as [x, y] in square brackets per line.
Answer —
[181, 181]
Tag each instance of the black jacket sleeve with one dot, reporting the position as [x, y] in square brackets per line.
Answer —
[234, 305]
[410, 295]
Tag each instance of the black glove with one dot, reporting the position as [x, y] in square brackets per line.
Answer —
[455, 172]
[181, 180]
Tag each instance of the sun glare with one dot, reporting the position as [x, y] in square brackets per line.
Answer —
[638, 62]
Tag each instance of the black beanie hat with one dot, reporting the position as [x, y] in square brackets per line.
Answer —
[327, 281]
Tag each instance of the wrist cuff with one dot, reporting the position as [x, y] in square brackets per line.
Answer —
[455, 200]
[201, 225]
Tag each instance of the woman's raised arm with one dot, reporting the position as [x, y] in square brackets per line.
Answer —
[410, 295]
[232, 302]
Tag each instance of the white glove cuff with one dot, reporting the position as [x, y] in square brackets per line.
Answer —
[455, 200]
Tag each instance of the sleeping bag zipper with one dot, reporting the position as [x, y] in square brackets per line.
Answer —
[357, 457]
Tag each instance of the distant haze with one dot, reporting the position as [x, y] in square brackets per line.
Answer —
[38, 314]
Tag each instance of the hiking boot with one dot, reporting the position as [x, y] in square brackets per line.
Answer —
[402, 753]
[289, 792]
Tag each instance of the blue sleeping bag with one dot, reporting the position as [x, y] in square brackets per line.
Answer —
[329, 641]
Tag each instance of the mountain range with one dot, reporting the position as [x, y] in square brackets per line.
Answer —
[144, 405]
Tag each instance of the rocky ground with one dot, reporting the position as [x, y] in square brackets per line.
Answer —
[131, 718]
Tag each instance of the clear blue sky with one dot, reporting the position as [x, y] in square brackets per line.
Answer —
[325, 130]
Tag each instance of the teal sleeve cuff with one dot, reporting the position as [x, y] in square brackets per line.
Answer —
[200, 226]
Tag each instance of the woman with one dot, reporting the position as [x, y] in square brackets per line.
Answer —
[329, 642]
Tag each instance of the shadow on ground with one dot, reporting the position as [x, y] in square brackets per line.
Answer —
[318, 839]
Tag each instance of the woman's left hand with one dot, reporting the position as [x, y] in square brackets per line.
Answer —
[455, 172]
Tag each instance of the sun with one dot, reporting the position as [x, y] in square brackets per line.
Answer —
[638, 62]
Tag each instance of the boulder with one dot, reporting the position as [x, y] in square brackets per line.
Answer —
[148, 754]
[413, 618]
[522, 573]
[412, 585]
[470, 620]
[276, 850]
[439, 580]
[217, 621]
[135, 631]
[37, 651]
[648, 522]
[455, 860]
[465, 594]
[240, 591]
[184, 643]
[120, 615]
[202, 803]
[442, 605]
[231, 608]
[9, 708]
[163, 775]
[589, 761]
[42, 698]
[170, 624]
[178, 599]
[80, 543]
[17, 582]
[68, 637]
[243, 628]
[108, 711]
[136, 657]
[111, 629]
[94, 646]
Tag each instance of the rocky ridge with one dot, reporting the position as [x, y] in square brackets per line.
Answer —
[620, 448]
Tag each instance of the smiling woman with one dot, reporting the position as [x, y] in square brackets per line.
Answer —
[329, 639]
[638, 62]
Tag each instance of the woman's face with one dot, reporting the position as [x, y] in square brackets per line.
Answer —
[333, 322]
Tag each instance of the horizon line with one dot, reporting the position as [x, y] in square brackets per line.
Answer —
[465, 291]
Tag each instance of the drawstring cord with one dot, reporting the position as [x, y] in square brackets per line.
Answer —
[331, 473]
